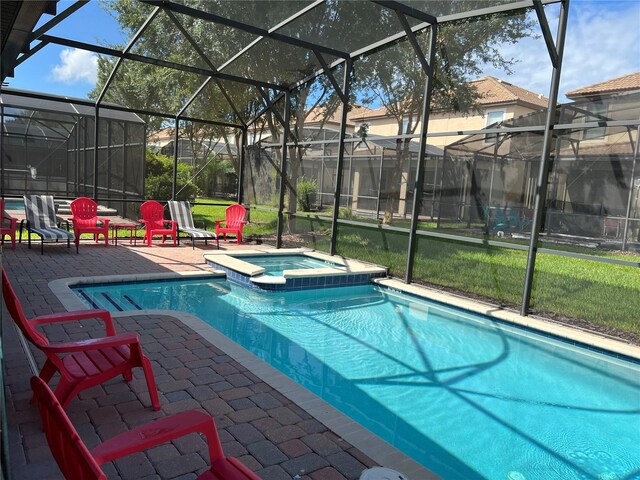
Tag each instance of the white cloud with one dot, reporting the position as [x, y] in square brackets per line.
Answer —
[76, 66]
[602, 42]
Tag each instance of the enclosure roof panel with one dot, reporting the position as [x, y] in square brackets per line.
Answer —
[346, 26]
[391, 143]
[263, 14]
[269, 44]
[60, 104]
[35, 130]
[18, 20]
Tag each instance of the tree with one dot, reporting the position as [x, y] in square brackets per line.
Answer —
[159, 179]
[153, 88]
[392, 77]
[207, 177]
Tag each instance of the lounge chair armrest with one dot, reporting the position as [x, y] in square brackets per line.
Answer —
[104, 315]
[201, 222]
[173, 223]
[159, 432]
[105, 221]
[218, 222]
[93, 343]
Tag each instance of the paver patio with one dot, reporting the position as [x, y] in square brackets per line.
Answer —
[263, 428]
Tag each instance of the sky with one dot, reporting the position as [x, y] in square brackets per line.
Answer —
[603, 42]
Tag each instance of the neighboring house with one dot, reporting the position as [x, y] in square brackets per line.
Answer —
[597, 180]
[598, 100]
[498, 101]
[594, 180]
[626, 83]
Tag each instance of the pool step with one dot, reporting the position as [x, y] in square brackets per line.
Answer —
[105, 301]
[112, 301]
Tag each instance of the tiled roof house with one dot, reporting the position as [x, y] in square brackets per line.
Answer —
[498, 100]
[626, 83]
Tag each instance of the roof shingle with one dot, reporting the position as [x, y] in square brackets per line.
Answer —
[619, 84]
[491, 91]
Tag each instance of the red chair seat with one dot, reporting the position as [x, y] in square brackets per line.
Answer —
[7, 226]
[85, 220]
[76, 461]
[152, 214]
[98, 362]
[234, 222]
[85, 363]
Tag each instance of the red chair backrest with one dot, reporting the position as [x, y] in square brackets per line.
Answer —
[234, 215]
[15, 309]
[71, 454]
[85, 212]
[153, 214]
[2, 213]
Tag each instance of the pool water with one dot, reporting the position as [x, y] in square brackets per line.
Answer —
[274, 265]
[466, 396]
[13, 204]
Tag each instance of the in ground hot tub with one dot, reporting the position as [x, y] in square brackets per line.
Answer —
[292, 269]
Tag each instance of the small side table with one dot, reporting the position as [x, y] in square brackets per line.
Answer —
[132, 227]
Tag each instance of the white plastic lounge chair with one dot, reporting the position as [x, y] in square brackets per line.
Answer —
[181, 213]
[41, 220]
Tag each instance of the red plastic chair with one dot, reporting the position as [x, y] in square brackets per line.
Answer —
[85, 363]
[76, 461]
[155, 224]
[85, 220]
[234, 222]
[7, 226]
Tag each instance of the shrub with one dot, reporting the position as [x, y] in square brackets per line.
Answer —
[346, 213]
[159, 179]
[307, 193]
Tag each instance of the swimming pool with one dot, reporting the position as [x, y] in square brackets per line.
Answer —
[13, 204]
[462, 394]
[274, 265]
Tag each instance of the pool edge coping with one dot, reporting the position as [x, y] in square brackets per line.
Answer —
[564, 332]
[366, 441]
[343, 265]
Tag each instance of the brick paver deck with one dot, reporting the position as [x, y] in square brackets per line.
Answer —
[268, 432]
